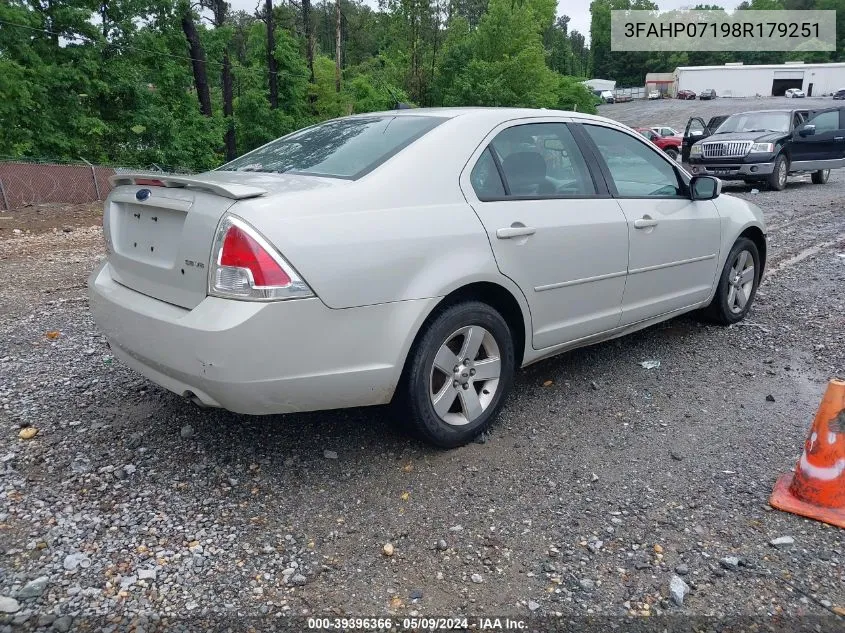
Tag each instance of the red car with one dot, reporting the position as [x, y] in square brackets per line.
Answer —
[686, 94]
[671, 145]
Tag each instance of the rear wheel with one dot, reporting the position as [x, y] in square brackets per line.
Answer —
[737, 284]
[777, 179]
[672, 153]
[820, 177]
[457, 375]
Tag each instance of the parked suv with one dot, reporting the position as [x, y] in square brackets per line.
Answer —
[768, 145]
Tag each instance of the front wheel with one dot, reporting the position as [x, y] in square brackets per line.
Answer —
[820, 177]
[777, 179]
[457, 375]
[672, 153]
[737, 284]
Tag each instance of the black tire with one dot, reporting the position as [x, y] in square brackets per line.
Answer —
[820, 177]
[722, 309]
[777, 179]
[672, 153]
[414, 406]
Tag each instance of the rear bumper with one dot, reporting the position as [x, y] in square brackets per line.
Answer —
[260, 358]
[729, 172]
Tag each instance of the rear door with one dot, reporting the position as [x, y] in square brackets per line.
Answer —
[674, 242]
[824, 148]
[553, 227]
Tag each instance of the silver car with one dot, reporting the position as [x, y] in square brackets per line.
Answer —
[417, 257]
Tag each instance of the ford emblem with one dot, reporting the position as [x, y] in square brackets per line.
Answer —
[143, 194]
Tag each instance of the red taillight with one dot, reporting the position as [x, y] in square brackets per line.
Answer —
[240, 250]
[149, 182]
[244, 265]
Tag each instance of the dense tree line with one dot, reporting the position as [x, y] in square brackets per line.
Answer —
[630, 68]
[140, 82]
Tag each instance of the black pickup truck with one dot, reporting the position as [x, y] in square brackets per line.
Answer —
[767, 145]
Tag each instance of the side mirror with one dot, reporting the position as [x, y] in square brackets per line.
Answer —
[808, 129]
[704, 188]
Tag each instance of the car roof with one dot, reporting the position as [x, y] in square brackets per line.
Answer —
[496, 113]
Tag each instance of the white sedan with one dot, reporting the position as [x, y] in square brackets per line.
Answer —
[418, 257]
[795, 93]
[654, 94]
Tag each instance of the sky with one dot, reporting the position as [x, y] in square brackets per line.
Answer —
[577, 10]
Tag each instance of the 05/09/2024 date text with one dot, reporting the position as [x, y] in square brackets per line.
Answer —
[415, 624]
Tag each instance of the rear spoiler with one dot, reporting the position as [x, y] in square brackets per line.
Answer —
[225, 189]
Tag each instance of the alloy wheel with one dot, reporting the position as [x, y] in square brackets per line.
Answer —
[740, 281]
[465, 375]
[782, 174]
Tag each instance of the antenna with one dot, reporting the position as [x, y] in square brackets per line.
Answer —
[400, 105]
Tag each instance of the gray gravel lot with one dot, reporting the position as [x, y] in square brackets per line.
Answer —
[676, 113]
[587, 497]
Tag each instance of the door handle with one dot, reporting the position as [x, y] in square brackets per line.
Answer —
[645, 222]
[516, 229]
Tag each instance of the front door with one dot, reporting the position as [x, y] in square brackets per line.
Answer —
[553, 228]
[820, 142]
[694, 131]
[673, 241]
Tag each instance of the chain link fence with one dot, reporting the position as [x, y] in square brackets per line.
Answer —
[25, 182]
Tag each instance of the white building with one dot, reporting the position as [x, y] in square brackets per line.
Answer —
[737, 80]
[600, 84]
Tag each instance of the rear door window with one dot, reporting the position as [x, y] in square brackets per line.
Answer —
[485, 178]
[541, 160]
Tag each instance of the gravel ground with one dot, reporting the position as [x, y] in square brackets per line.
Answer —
[587, 497]
[675, 113]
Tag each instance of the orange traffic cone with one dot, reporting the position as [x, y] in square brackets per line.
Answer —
[817, 487]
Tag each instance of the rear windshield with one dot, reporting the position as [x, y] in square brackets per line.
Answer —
[756, 122]
[343, 148]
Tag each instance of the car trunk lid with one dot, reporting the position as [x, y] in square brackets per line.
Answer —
[160, 231]
[160, 242]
